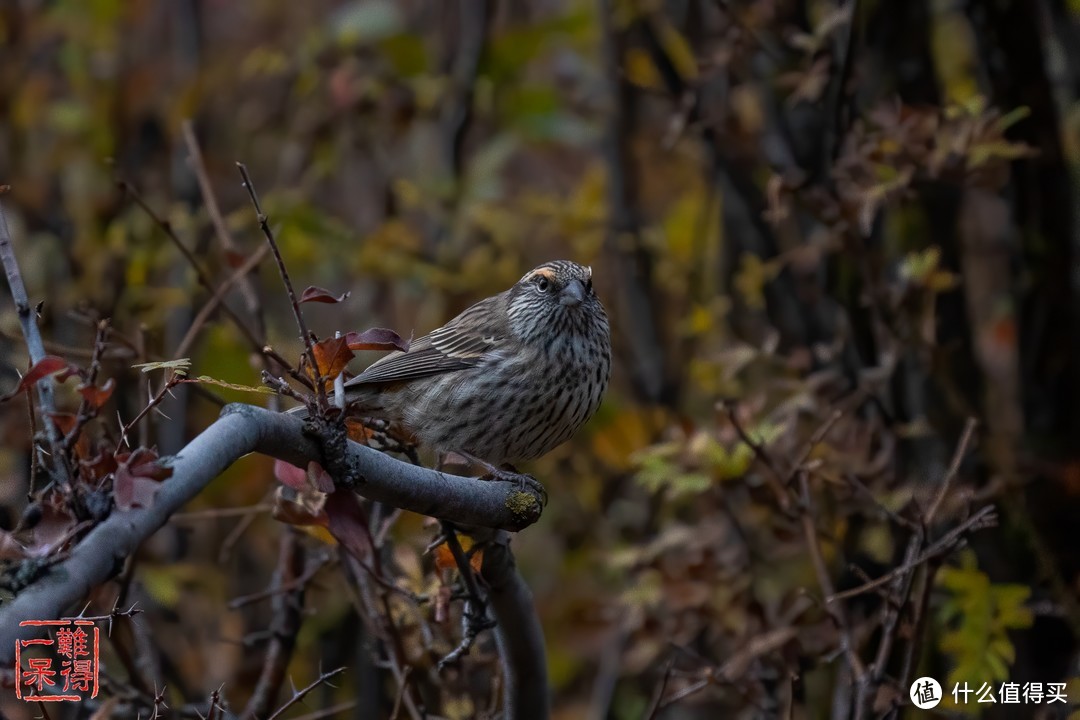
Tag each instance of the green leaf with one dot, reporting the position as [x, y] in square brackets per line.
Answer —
[366, 20]
[975, 618]
[180, 366]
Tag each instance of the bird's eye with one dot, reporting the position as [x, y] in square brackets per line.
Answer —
[588, 285]
[542, 284]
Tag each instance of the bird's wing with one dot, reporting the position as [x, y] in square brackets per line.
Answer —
[464, 342]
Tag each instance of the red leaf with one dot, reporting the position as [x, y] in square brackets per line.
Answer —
[321, 295]
[145, 462]
[138, 478]
[376, 339]
[98, 466]
[65, 422]
[132, 491]
[10, 548]
[97, 396]
[55, 523]
[290, 475]
[346, 522]
[42, 369]
[332, 355]
[314, 477]
[234, 259]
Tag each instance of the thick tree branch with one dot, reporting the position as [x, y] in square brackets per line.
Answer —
[518, 632]
[34, 344]
[240, 430]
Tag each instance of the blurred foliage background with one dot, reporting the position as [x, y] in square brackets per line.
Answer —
[793, 208]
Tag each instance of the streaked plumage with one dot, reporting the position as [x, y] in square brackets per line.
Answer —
[508, 379]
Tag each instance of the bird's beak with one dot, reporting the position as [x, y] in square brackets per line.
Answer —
[573, 294]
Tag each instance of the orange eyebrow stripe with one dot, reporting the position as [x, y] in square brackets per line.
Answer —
[544, 272]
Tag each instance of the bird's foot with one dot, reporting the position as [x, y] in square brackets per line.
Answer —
[508, 473]
[525, 482]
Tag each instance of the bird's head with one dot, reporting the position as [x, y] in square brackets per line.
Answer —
[554, 299]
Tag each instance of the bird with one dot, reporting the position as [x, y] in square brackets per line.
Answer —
[507, 380]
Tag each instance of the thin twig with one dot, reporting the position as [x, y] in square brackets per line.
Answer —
[984, 518]
[88, 409]
[737, 665]
[215, 300]
[918, 623]
[402, 689]
[474, 618]
[817, 438]
[287, 618]
[299, 695]
[173, 380]
[305, 334]
[775, 478]
[116, 612]
[658, 695]
[813, 544]
[894, 516]
[950, 474]
[200, 274]
[288, 586]
[326, 712]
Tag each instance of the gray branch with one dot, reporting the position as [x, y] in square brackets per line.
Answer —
[240, 430]
[518, 632]
[27, 320]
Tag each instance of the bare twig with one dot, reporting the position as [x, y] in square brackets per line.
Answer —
[326, 712]
[918, 622]
[950, 474]
[214, 705]
[282, 586]
[173, 380]
[658, 694]
[300, 694]
[305, 334]
[474, 618]
[774, 477]
[215, 300]
[837, 612]
[200, 274]
[287, 591]
[894, 516]
[983, 518]
[88, 409]
[34, 345]
[817, 438]
[187, 128]
[402, 690]
[737, 665]
[116, 612]
[382, 626]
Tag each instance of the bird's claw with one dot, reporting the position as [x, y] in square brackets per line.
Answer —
[525, 482]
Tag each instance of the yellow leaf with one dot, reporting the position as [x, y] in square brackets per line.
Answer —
[751, 278]
[679, 51]
[629, 431]
[640, 70]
